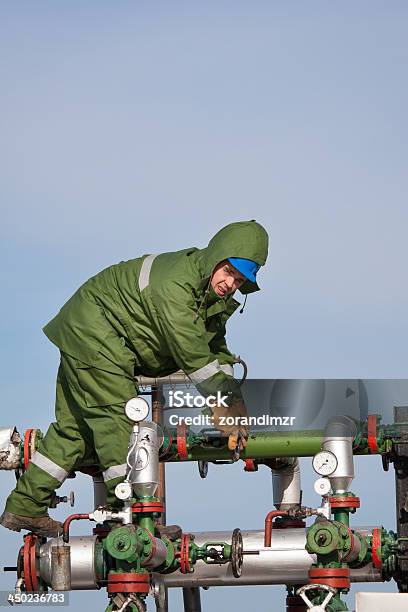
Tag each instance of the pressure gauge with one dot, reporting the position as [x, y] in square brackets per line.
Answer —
[322, 486]
[137, 409]
[123, 491]
[325, 463]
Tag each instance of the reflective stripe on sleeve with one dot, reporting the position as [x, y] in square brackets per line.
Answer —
[227, 369]
[145, 271]
[49, 466]
[205, 372]
[114, 472]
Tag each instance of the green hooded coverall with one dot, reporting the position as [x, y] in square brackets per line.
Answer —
[153, 316]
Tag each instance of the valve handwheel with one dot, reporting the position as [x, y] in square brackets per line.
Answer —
[27, 447]
[237, 552]
[184, 551]
[312, 587]
[182, 441]
[28, 563]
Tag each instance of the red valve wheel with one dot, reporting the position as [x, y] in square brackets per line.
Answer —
[184, 549]
[372, 433]
[250, 466]
[182, 441]
[26, 563]
[27, 439]
[33, 562]
[29, 562]
[376, 548]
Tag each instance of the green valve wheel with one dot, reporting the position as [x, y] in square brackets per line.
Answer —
[323, 538]
[121, 543]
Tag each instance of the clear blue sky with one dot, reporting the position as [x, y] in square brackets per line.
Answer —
[136, 127]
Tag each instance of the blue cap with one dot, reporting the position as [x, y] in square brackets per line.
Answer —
[247, 267]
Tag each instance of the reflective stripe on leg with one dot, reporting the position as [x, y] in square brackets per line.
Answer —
[49, 466]
[115, 471]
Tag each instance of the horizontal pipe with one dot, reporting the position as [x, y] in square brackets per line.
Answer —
[173, 379]
[286, 562]
[264, 445]
[261, 445]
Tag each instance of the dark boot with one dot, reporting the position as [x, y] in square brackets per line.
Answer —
[41, 525]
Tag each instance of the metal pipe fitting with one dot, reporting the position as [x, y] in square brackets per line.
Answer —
[286, 485]
[285, 562]
[192, 600]
[268, 524]
[99, 489]
[67, 523]
[9, 448]
[84, 561]
[143, 459]
[338, 438]
[61, 568]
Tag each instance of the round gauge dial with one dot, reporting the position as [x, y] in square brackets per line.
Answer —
[322, 486]
[137, 409]
[123, 491]
[325, 463]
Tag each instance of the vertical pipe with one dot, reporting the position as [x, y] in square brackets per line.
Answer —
[341, 517]
[192, 599]
[99, 490]
[157, 417]
[338, 438]
[286, 484]
[401, 498]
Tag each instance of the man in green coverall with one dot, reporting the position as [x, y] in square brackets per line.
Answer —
[153, 316]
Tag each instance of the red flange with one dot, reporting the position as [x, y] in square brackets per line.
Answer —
[26, 563]
[372, 433]
[131, 582]
[250, 466]
[184, 550]
[336, 577]
[182, 441]
[150, 506]
[33, 564]
[27, 439]
[30, 562]
[376, 548]
[344, 502]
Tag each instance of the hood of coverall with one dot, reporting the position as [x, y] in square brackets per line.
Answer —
[245, 239]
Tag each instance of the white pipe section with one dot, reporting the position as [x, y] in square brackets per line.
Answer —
[286, 486]
[338, 438]
[285, 562]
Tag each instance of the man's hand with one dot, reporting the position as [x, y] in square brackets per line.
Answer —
[233, 429]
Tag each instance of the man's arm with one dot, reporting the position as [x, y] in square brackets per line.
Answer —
[186, 336]
[218, 346]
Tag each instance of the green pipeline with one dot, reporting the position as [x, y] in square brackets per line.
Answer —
[259, 446]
